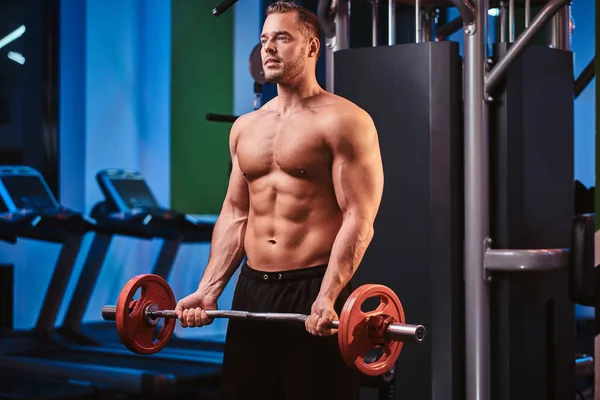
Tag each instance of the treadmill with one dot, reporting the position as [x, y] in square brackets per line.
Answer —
[33, 212]
[28, 210]
[131, 209]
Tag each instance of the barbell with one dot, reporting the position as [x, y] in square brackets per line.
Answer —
[358, 333]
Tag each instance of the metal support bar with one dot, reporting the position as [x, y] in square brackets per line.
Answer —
[342, 40]
[427, 19]
[526, 260]
[466, 11]
[166, 258]
[476, 160]
[451, 27]
[495, 75]
[511, 21]
[418, 21]
[329, 59]
[220, 117]
[58, 284]
[391, 22]
[560, 33]
[88, 278]
[224, 6]
[374, 14]
[502, 22]
[585, 77]
[342, 25]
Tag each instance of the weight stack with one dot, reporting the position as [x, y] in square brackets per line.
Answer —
[532, 207]
[6, 297]
[413, 93]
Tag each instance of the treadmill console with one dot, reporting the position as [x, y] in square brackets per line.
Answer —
[24, 189]
[127, 190]
[132, 206]
[30, 209]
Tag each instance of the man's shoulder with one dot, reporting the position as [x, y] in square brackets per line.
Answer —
[336, 111]
[253, 115]
[244, 120]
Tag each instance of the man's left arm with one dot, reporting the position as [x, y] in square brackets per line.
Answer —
[357, 174]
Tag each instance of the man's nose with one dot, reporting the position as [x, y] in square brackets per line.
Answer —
[270, 47]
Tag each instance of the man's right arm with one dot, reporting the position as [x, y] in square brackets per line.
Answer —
[227, 245]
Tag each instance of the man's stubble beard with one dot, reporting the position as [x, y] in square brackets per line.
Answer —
[289, 73]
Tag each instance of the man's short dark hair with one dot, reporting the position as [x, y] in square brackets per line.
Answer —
[308, 19]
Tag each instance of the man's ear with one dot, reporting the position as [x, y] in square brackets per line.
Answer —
[313, 47]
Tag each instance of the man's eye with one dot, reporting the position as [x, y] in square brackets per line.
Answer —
[281, 38]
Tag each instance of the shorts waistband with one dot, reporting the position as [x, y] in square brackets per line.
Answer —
[317, 271]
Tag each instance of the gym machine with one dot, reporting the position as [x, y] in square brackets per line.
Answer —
[474, 212]
[29, 210]
[130, 209]
[33, 212]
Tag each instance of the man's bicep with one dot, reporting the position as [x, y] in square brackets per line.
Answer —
[237, 195]
[357, 169]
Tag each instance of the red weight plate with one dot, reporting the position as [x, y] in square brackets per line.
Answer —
[136, 333]
[359, 332]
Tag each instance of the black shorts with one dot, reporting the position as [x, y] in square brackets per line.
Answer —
[281, 360]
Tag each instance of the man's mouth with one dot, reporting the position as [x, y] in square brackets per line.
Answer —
[271, 61]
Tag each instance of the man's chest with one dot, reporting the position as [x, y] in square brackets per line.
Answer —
[290, 146]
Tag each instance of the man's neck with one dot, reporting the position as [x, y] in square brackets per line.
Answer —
[292, 96]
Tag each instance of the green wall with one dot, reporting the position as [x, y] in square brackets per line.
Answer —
[201, 82]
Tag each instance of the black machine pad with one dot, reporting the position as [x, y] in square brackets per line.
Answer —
[581, 268]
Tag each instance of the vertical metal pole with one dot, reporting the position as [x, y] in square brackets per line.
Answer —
[417, 21]
[329, 69]
[553, 32]
[427, 19]
[391, 22]
[560, 29]
[502, 22]
[566, 11]
[374, 9]
[511, 21]
[564, 19]
[527, 13]
[339, 42]
[342, 25]
[477, 325]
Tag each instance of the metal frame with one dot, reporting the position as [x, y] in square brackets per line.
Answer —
[448, 29]
[336, 12]
[480, 260]
[58, 284]
[492, 79]
[585, 77]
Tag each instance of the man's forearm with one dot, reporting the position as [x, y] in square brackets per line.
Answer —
[348, 250]
[226, 253]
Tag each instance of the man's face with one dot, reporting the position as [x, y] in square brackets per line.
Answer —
[284, 48]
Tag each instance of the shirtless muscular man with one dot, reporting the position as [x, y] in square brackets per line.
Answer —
[303, 194]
